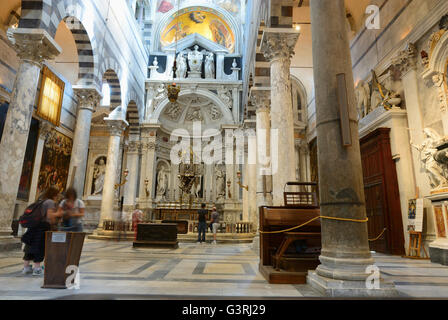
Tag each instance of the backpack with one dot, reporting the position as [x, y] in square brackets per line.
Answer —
[32, 215]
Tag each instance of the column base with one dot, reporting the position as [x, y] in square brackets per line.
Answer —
[10, 244]
[349, 289]
[100, 234]
[256, 244]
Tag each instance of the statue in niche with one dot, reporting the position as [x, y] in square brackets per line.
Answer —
[99, 173]
[427, 151]
[195, 59]
[210, 66]
[220, 178]
[162, 183]
[181, 62]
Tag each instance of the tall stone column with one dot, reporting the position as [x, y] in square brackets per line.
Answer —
[261, 99]
[116, 127]
[44, 130]
[130, 188]
[345, 253]
[148, 134]
[33, 47]
[277, 46]
[88, 99]
[406, 62]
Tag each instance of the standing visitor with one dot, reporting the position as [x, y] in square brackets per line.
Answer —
[215, 223]
[38, 218]
[72, 210]
[202, 224]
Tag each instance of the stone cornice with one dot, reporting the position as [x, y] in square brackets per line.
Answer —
[35, 45]
[278, 43]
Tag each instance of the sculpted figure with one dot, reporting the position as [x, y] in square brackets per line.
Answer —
[209, 66]
[428, 150]
[98, 177]
[181, 66]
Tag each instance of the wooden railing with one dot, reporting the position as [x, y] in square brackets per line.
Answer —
[225, 227]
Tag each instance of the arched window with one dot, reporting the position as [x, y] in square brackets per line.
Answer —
[298, 96]
[105, 101]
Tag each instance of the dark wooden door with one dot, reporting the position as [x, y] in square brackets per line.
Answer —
[381, 192]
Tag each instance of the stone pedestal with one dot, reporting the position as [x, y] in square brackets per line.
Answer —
[438, 249]
[116, 127]
[277, 46]
[33, 47]
[345, 255]
[88, 99]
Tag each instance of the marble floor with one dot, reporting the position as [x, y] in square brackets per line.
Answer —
[195, 271]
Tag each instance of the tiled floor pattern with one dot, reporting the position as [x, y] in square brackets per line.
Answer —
[206, 270]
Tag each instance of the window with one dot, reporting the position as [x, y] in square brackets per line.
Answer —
[105, 90]
[50, 97]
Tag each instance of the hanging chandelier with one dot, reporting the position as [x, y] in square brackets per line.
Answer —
[172, 89]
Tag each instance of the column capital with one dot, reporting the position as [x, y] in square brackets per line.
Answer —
[116, 127]
[134, 147]
[261, 98]
[406, 60]
[278, 43]
[88, 97]
[35, 45]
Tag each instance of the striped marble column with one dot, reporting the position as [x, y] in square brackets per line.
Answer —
[33, 47]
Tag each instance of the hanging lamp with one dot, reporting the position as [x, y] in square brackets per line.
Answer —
[173, 89]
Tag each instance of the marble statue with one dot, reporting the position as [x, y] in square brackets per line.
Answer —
[362, 93]
[197, 187]
[209, 66]
[162, 183]
[181, 62]
[220, 183]
[99, 173]
[195, 59]
[427, 151]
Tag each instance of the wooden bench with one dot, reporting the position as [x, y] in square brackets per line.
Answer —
[276, 264]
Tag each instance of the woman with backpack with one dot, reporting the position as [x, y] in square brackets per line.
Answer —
[72, 210]
[43, 215]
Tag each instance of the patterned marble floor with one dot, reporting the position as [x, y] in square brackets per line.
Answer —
[195, 270]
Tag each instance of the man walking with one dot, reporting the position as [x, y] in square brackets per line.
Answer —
[202, 224]
[215, 223]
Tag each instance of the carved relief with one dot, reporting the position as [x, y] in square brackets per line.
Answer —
[194, 114]
[173, 111]
[214, 113]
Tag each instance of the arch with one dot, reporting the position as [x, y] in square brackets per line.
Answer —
[438, 58]
[224, 14]
[87, 58]
[298, 91]
[132, 97]
[132, 118]
[227, 114]
[111, 78]
[48, 14]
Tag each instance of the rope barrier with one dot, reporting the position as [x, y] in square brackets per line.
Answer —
[324, 217]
